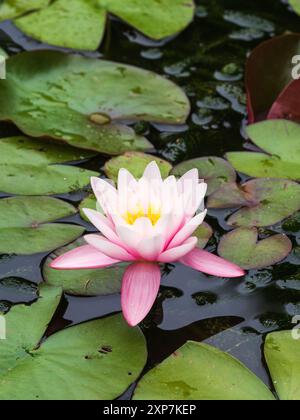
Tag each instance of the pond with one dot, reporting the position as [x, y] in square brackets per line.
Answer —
[207, 60]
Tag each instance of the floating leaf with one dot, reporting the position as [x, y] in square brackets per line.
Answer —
[135, 163]
[69, 98]
[198, 371]
[102, 281]
[24, 228]
[295, 5]
[287, 105]
[242, 247]
[203, 233]
[214, 170]
[89, 202]
[282, 352]
[266, 82]
[245, 20]
[92, 361]
[281, 139]
[267, 201]
[29, 167]
[81, 24]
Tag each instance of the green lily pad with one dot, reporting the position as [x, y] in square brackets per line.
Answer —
[279, 138]
[24, 227]
[136, 163]
[198, 371]
[29, 167]
[92, 361]
[295, 5]
[282, 352]
[104, 281]
[69, 98]
[203, 233]
[90, 202]
[241, 246]
[81, 24]
[214, 170]
[267, 201]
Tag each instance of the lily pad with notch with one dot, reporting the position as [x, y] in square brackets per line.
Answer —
[87, 356]
[26, 228]
[281, 140]
[32, 167]
[68, 98]
[241, 246]
[214, 170]
[198, 371]
[80, 24]
[263, 201]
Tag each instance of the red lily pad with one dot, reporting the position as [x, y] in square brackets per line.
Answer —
[268, 72]
[241, 246]
[263, 202]
[287, 105]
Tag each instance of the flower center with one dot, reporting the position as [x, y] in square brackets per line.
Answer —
[153, 215]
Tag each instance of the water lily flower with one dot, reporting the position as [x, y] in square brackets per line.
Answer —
[146, 222]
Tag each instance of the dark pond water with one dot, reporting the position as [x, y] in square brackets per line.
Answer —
[207, 60]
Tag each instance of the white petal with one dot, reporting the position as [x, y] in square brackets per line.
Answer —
[152, 172]
[103, 224]
[174, 254]
[187, 230]
[108, 248]
[188, 181]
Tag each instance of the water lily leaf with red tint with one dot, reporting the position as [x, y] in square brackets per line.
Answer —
[242, 247]
[268, 72]
[264, 201]
[287, 105]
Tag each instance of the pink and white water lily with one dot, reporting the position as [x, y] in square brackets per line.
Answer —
[146, 222]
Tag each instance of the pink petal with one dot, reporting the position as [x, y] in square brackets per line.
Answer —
[139, 290]
[83, 257]
[188, 229]
[108, 248]
[103, 224]
[211, 264]
[174, 254]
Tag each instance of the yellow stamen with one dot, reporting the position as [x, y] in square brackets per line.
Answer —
[153, 214]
